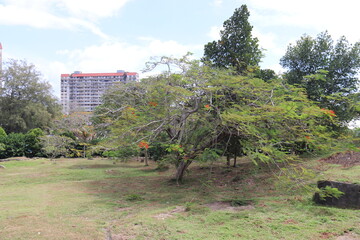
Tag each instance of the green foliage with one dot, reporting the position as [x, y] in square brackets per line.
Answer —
[328, 72]
[210, 155]
[14, 145]
[123, 153]
[19, 144]
[201, 113]
[26, 102]
[2, 132]
[55, 146]
[329, 192]
[33, 142]
[265, 74]
[237, 48]
[157, 151]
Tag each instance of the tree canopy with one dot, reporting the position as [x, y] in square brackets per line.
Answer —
[237, 48]
[195, 112]
[327, 70]
[26, 101]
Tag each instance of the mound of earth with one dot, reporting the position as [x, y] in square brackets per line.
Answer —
[347, 159]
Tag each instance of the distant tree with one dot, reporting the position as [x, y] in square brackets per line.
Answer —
[265, 74]
[237, 48]
[26, 102]
[327, 70]
[55, 146]
[77, 126]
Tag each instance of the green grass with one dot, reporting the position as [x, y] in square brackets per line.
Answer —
[88, 199]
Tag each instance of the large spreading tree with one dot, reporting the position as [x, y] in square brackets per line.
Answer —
[197, 111]
[26, 101]
[237, 48]
[327, 70]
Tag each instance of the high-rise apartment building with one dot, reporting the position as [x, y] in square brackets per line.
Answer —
[82, 91]
[0, 66]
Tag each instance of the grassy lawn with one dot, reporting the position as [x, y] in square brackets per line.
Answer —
[96, 199]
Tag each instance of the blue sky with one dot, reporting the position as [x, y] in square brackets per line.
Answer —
[61, 36]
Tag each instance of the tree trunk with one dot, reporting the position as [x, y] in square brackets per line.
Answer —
[228, 160]
[146, 158]
[235, 160]
[181, 170]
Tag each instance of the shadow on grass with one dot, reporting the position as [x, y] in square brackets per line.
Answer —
[200, 184]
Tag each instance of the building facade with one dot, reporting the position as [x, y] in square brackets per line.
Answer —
[81, 92]
[1, 66]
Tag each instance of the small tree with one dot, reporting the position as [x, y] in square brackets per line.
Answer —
[77, 126]
[55, 146]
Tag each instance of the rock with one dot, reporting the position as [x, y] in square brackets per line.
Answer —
[350, 199]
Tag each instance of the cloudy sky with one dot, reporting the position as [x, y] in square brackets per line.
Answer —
[61, 36]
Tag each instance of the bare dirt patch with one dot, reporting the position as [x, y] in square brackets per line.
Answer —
[178, 209]
[347, 159]
[215, 206]
[349, 236]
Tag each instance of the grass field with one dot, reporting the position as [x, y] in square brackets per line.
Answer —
[96, 199]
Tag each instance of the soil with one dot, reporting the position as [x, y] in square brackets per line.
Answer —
[227, 206]
[347, 159]
[163, 216]
[348, 236]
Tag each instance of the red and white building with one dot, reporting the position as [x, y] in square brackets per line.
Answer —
[81, 92]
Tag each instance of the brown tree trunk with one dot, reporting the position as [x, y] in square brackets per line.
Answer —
[181, 170]
[228, 159]
[146, 158]
[235, 160]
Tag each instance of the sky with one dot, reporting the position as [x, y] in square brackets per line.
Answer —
[63, 36]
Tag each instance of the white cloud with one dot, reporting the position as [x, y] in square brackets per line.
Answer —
[266, 40]
[92, 9]
[214, 32]
[38, 19]
[339, 18]
[59, 14]
[217, 3]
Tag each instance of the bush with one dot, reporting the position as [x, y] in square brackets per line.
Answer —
[122, 153]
